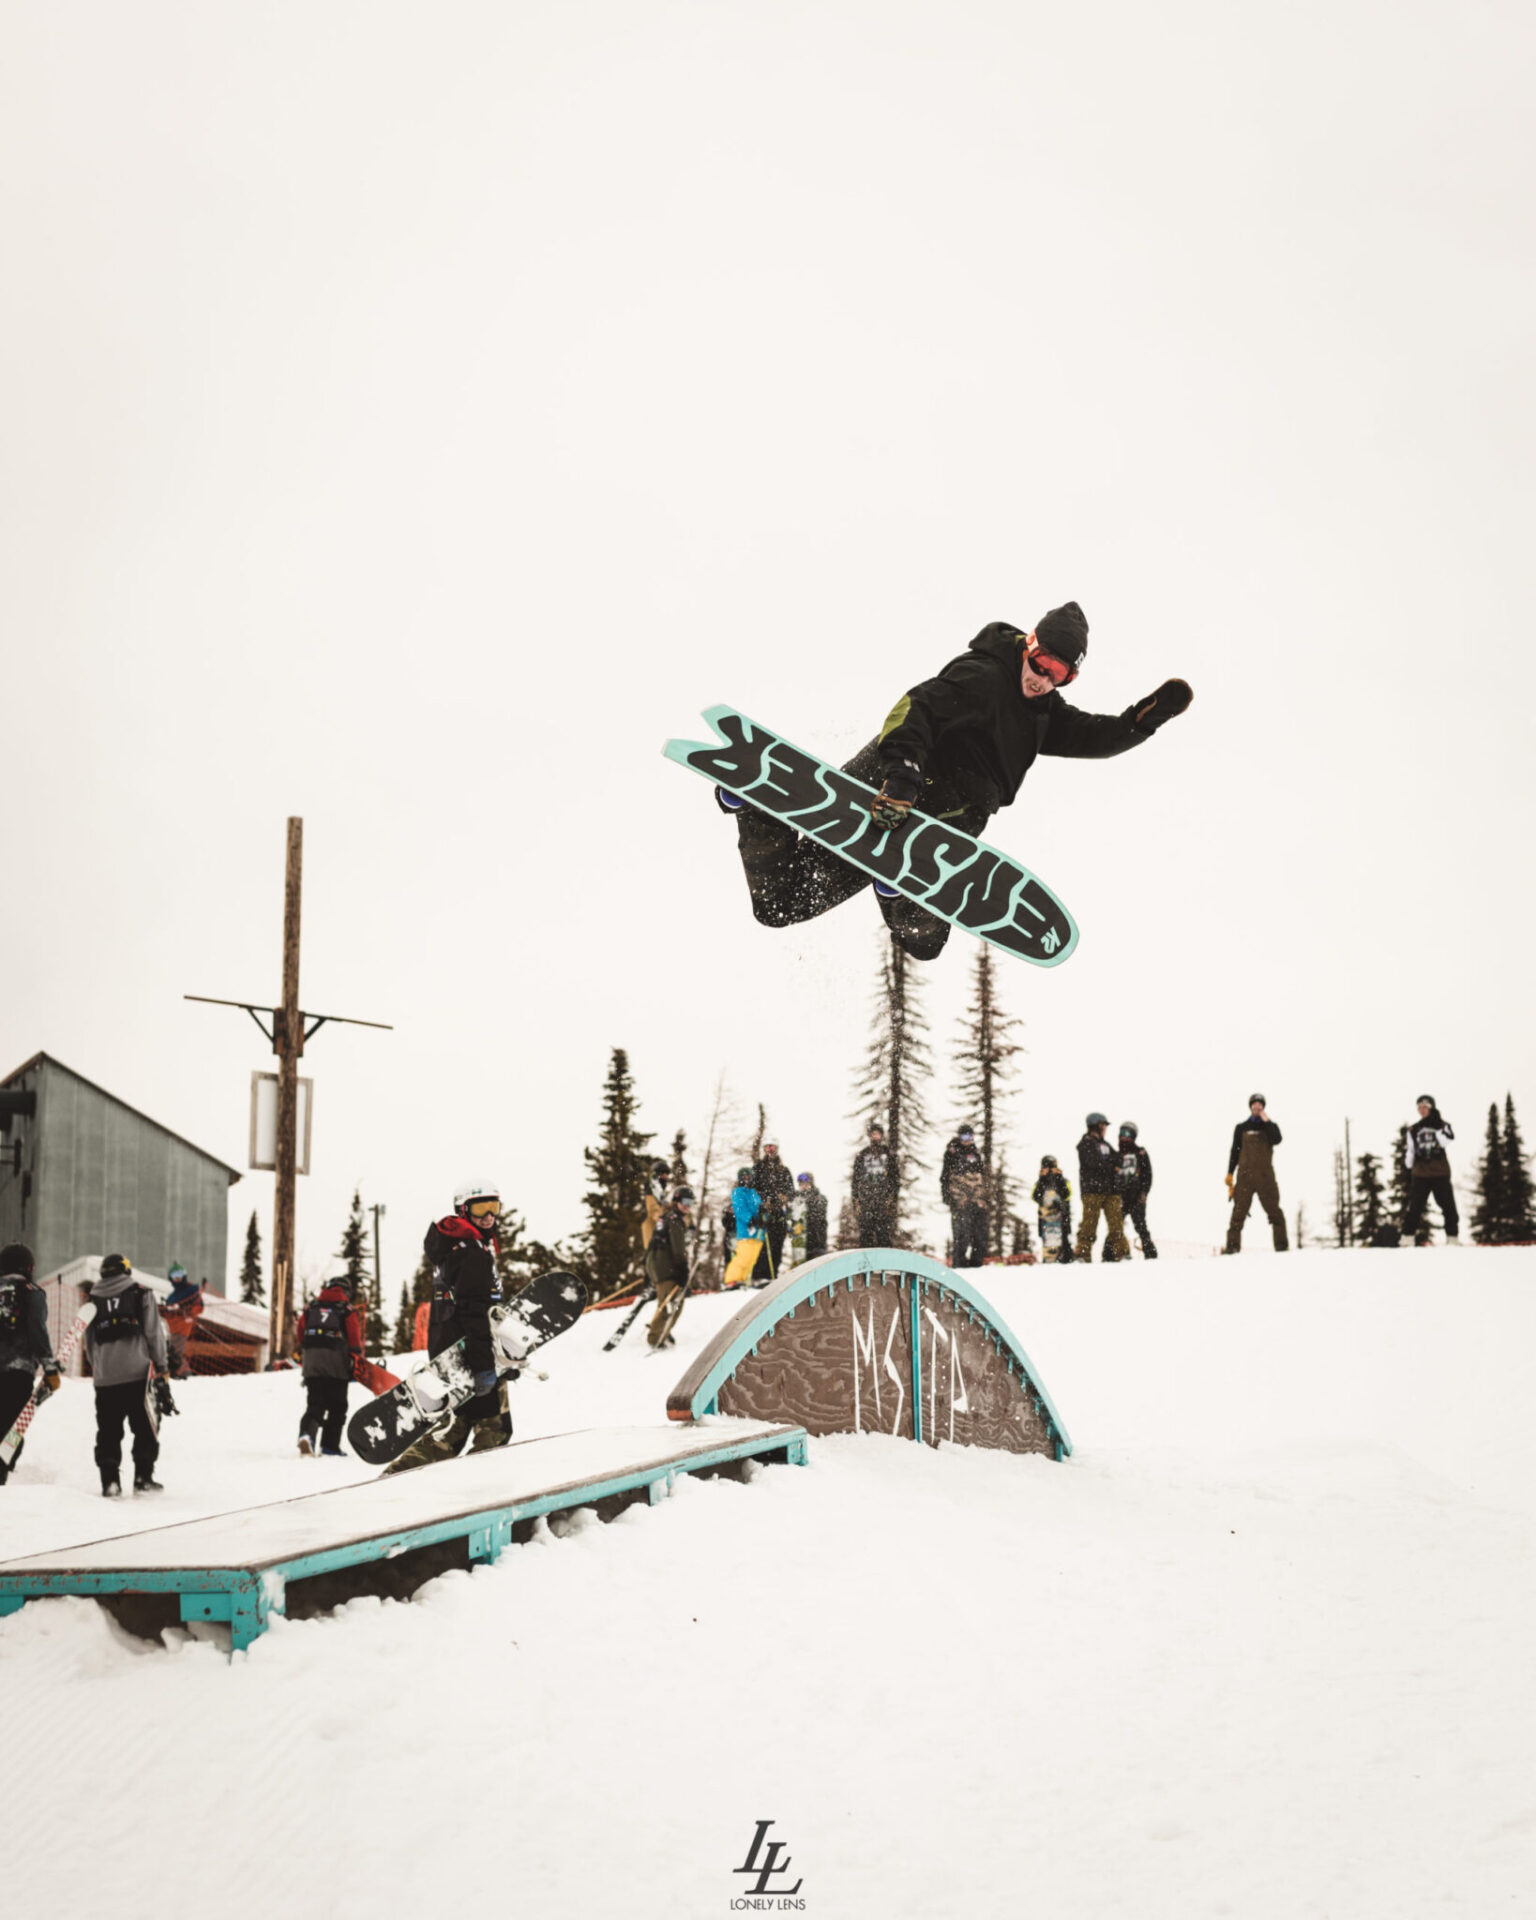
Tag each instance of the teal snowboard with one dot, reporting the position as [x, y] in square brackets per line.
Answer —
[947, 870]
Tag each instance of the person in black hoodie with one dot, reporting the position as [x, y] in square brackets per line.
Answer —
[25, 1342]
[1098, 1174]
[873, 1187]
[958, 746]
[1427, 1158]
[465, 1287]
[775, 1187]
[1251, 1175]
[963, 1189]
[330, 1349]
[1135, 1175]
[815, 1202]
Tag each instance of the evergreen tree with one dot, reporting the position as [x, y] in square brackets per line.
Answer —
[986, 1059]
[252, 1290]
[1370, 1198]
[362, 1282]
[1519, 1196]
[618, 1166]
[520, 1259]
[890, 1087]
[405, 1322]
[1490, 1215]
[1397, 1201]
[1340, 1200]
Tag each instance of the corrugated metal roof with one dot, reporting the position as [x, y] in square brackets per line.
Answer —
[38, 1059]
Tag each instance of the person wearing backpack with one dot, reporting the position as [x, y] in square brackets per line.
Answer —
[125, 1346]
[330, 1348]
[25, 1343]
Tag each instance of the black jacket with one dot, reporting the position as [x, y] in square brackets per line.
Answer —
[972, 736]
[1053, 1181]
[963, 1176]
[1134, 1174]
[465, 1287]
[1097, 1165]
[25, 1342]
[815, 1222]
[1267, 1127]
[666, 1261]
[775, 1186]
[874, 1180]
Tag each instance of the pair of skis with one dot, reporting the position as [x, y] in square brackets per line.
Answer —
[672, 1313]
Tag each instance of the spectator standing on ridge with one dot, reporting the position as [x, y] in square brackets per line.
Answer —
[1136, 1184]
[963, 1189]
[25, 1342]
[125, 1344]
[330, 1350]
[1251, 1174]
[1098, 1174]
[181, 1308]
[745, 1206]
[462, 1249]
[666, 1266]
[815, 1202]
[873, 1186]
[775, 1188]
[1427, 1158]
[1053, 1201]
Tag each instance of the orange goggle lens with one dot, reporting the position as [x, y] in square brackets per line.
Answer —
[484, 1209]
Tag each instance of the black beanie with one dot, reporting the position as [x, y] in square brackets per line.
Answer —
[15, 1258]
[1063, 632]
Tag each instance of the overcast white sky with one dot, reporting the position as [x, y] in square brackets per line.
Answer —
[412, 415]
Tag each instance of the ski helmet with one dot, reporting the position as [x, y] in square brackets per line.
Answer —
[473, 1190]
[1096, 1120]
[1128, 1129]
[115, 1266]
[1047, 1160]
[15, 1258]
[805, 1179]
[683, 1197]
[966, 1132]
[743, 1176]
[661, 1168]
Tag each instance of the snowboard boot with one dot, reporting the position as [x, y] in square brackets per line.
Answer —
[146, 1483]
[306, 1446]
[334, 1453]
[1453, 1239]
[919, 933]
[111, 1490]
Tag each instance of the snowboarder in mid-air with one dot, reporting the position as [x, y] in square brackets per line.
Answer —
[957, 747]
[465, 1286]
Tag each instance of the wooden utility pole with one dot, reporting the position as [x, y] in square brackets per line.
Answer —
[378, 1268]
[288, 1034]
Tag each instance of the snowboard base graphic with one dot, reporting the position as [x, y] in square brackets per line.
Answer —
[382, 1429]
[961, 879]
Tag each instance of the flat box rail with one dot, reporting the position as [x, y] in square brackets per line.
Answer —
[235, 1566]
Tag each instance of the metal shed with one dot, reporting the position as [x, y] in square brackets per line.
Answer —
[82, 1172]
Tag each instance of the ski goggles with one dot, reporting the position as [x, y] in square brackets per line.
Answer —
[1050, 668]
[484, 1209]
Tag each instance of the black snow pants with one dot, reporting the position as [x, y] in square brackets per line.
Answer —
[114, 1405]
[1444, 1194]
[1136, 1213]
[769, 1262]
[325, 1413]
[877, 1226]
[792, 879]
[15, 1392]
[969, 1235]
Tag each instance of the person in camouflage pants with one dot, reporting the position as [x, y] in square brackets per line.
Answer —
[1098, 1169]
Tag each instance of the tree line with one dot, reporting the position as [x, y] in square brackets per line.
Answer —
[1374, 1193]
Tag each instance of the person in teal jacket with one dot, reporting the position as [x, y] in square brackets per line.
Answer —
[746, 1204]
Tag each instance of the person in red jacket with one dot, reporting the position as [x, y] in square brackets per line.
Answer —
[330, 1349]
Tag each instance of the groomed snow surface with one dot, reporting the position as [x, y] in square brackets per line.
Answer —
[1262, 1647]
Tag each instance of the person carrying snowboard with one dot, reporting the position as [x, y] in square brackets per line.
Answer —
[1135, 1173]
[958, 746]
[462, 1250]
[1098, 1173]
[815, 1204]
[25, 1342]
[330, 1352]
[125, 1344]
[872, 1186]
[666, 1266]
[1251, 1174]
[1053, 1202]
[963, 1189]
[1426, 1155]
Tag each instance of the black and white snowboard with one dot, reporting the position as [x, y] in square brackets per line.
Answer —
[382, 1429]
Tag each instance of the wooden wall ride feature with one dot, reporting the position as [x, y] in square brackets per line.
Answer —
[875, 1341]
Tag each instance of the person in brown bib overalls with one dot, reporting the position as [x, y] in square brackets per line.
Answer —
[1252, 1163]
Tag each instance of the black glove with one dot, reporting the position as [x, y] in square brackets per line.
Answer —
[893, 802]
[1171, 698]
[164, 1404]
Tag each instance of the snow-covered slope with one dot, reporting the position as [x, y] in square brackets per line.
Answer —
[1262, 1647]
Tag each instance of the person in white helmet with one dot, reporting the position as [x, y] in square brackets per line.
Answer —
[465, 1286]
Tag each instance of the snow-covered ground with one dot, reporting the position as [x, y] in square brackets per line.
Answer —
[1261, 1648]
